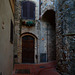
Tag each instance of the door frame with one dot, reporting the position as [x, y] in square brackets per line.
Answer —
[35, 47]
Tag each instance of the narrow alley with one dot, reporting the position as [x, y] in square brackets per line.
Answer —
[37, 37]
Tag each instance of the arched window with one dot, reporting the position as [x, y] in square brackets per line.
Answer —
[28, 10]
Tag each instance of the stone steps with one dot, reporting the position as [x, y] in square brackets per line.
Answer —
[35, 69]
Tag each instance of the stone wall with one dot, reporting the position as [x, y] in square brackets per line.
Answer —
[46, 5]
[65, 36]
[65, 33]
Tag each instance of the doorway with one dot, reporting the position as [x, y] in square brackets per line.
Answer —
[28, 44]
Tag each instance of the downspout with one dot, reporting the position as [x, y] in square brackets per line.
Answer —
[47, 42]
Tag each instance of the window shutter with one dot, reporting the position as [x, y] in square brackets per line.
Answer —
[28, 10]
[24, 10]
[32, 11]
[28, 13]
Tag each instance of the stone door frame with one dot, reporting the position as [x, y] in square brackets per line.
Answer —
[35, 48]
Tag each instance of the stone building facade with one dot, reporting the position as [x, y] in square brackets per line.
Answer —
[6, 36]
[43, 51]
[54, 33]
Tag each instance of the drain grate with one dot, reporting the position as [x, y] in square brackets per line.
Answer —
[22, 71]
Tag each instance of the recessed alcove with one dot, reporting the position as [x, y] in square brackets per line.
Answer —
[49, 18]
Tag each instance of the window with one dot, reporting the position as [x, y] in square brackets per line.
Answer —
[11, 32]
[28, 10]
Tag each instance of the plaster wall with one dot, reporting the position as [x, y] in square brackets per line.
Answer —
[6, 48]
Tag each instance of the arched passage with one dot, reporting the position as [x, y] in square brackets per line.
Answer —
[49, 18]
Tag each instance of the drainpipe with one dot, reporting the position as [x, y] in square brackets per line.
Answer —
[47, 42]
[38, 57]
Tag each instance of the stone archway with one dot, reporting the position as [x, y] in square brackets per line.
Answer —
[49, 18]
[30, 37]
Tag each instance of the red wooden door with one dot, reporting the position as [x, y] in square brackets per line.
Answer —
[28, 49]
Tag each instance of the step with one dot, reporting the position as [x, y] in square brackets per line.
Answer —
[35, 69]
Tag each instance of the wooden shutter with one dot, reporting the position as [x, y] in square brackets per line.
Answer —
[32, 10]
[24, 10]
[28, 10]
